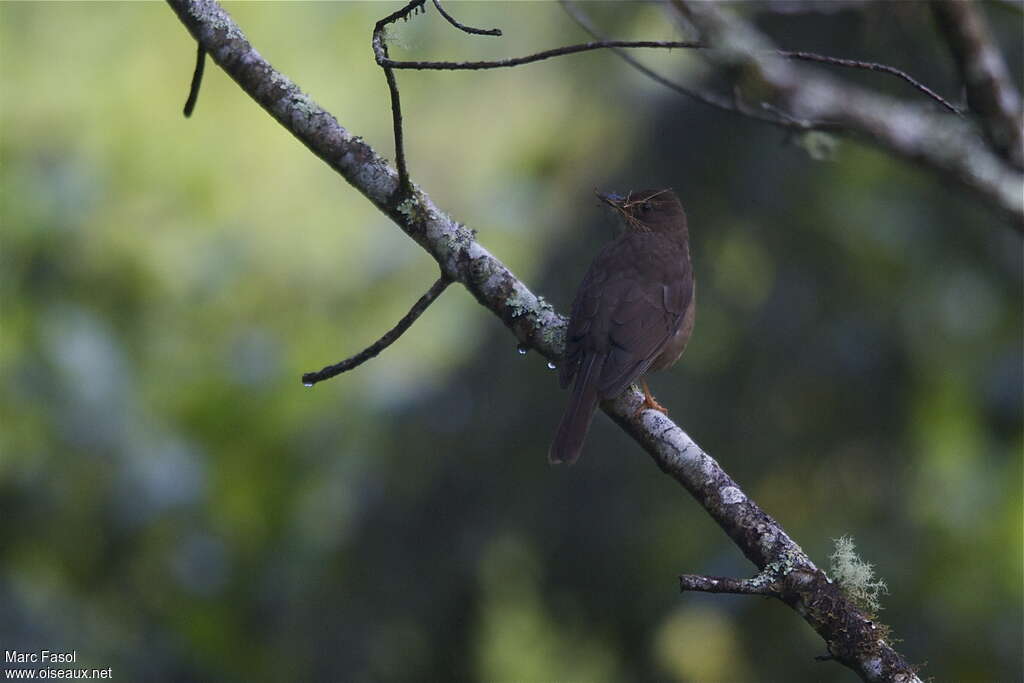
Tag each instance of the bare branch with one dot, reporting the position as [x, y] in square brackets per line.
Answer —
[537, 56]
[389, 338]
[871, 66]
[990, 90]
[654, 44]
[710, 99]
[197, 80]
[396, 119]
[847, 631]
[942, 143]
[380, 50]
[463, 27]
[619, 45]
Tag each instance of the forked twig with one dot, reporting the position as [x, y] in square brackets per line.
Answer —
[384, 61]
[766, 114]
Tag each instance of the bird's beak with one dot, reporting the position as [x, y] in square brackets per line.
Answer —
[611, 199]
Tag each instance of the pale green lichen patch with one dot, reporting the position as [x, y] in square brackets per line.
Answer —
[778, 568]
[788, 559]
[544, 306]
[303, 110]
[856, 576]
[763, 579]
[412, 208]
[520, 302]
[406, 206]
[554, 337]
[280, 80]
[302, 103]
[458, 238]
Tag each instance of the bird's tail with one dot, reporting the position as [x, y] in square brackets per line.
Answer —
[572, 430]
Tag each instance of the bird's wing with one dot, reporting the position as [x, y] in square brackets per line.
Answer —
[585, 311]
[644, 320]
[622, 313]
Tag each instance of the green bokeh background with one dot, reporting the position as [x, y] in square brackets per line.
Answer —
[176, 506]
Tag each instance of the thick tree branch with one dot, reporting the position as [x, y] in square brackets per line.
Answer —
[847, 631]
[942, 143]
[990, 90]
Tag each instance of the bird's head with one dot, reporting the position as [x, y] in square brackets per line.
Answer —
[647, 210]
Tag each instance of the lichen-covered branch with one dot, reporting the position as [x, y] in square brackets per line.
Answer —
[848, 632]
[762, 584]
[942, 143]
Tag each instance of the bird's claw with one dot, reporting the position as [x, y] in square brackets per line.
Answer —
[649, 402]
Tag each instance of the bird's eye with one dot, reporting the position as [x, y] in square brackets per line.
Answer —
[645, 207]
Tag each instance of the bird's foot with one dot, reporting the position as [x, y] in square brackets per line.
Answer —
[649, 402]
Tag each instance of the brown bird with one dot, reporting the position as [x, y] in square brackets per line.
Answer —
[633, 312]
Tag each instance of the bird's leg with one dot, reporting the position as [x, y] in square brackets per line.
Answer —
[649, 401]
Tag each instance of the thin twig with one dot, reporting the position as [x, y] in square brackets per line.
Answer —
[463, 27]
[197, 80]
[311, 378]
[573, 11]
[380, 50]
[656, 44]
[537, 56]
[710, 99]
[762, 584]
[396, 122]
[870, 66]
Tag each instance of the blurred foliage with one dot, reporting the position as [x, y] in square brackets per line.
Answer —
[176, 506]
